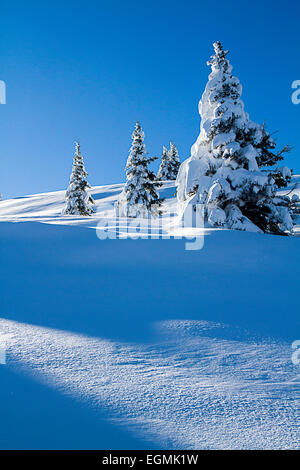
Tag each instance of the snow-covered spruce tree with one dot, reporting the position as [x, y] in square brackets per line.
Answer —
[163, 168]
[223, 171]
[174, 161]
[170, 164]
[139, 197]
[78, 199]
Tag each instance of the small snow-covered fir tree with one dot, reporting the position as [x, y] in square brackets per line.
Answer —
[139, 197]
[163, 168]
[170, 164]
[78, 199]
[223, 172]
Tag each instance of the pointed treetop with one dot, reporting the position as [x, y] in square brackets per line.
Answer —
[77, 147]
[138, 127]
[219, 51]
[219, 58]
[138, 131]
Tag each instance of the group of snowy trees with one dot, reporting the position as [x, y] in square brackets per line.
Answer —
[170, 164]
[140, 194]
[232, 172]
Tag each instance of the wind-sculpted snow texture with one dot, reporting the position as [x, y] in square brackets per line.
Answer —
[192, 389]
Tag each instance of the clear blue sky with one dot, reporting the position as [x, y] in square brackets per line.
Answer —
[92, 68]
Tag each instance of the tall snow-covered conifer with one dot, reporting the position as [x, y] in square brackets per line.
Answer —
[139, 197]
[170, 164]
[78, 199]
[223, 172]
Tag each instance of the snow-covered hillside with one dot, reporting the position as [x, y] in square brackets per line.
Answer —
[141, 343]
[48, 207]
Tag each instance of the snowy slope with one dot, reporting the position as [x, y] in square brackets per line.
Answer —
[188, 391]
[47, 208]
[142, 344]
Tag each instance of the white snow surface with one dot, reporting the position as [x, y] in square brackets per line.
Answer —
[47, 208]
[193, 388]
[189, 390]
